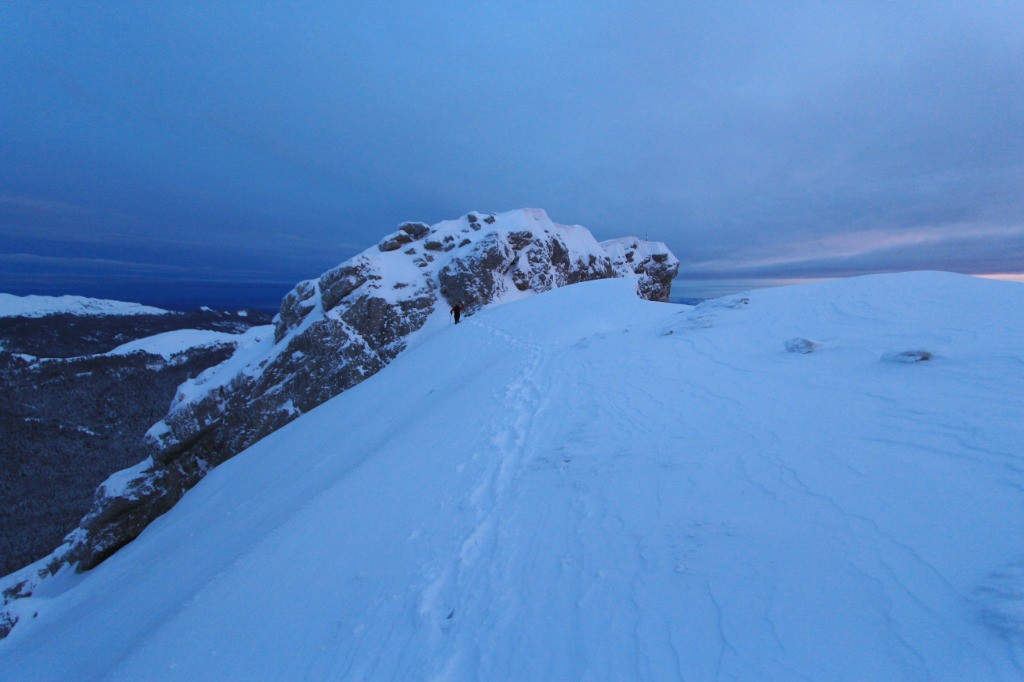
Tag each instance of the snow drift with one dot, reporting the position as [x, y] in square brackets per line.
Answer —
[586, 485]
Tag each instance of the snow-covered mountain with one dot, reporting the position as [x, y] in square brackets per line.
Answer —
[813, 482]
[334, 332]
[74, 326]
[40, 306]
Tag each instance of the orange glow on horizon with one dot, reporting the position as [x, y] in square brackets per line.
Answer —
[1005, 276]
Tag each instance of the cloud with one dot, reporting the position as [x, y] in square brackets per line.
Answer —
[972, 249]
[49, 208]
[35, 260]
[790, 140]
[37, 205]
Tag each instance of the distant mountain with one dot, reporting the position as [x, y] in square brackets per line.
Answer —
[71, 330]
[81, 380]
[41, 306]
[813, 482]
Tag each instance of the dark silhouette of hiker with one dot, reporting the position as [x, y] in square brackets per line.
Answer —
[457, 311]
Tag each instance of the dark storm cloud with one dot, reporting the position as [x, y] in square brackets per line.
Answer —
[273, 140]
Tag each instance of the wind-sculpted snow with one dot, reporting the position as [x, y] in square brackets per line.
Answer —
[334, 332]
[584, 485]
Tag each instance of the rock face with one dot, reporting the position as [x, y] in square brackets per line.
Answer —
[332, 333]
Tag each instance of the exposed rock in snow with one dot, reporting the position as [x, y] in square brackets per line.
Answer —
[653, 261]
[800, 345]
[394, 241]
[908, 356]
[415, 230]
[335, 331]
[40, 306]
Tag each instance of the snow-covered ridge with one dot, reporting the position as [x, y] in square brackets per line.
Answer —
[385, 294]
[335, 331]
[585, 485]
[41, 306]
[481, 259]
[379, 299]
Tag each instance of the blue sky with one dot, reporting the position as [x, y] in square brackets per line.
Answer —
[218, 152]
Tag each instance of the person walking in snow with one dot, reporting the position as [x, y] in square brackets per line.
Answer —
[457, 311]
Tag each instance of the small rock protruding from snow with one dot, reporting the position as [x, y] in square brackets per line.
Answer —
[415, 230]
[394, 241]
[908, 356]
[800, 345]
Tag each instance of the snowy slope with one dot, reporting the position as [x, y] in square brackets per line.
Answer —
[585, 485]
[40, 306]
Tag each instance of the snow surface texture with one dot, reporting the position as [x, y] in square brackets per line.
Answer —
[585, 485]
[40, 306]
[334, 332]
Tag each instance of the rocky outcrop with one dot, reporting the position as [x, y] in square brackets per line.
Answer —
[337, 330]
[651, 261]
